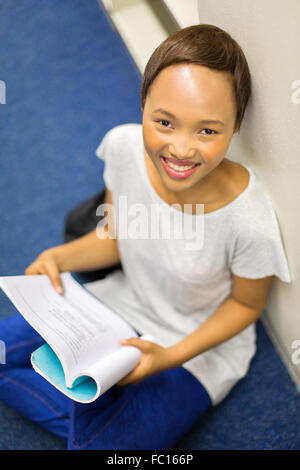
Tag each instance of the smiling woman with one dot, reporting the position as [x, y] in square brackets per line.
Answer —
[198, 302]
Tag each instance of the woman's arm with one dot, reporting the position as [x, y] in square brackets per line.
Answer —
[239, 310]
[242, 308]
[87, 253]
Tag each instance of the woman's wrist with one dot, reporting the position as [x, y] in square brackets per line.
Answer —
[57, 252]
[172, 358]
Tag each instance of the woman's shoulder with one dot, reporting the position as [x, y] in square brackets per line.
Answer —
[255, 206]
[123, 137]
[124, 131]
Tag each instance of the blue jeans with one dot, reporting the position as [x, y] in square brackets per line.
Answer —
[153, 414]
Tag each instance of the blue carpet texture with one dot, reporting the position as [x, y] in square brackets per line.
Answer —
[69, 78]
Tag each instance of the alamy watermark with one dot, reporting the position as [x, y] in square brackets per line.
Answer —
[2, 352]
[296, 94]
[296, 354]
[153, 221]
[2, 92]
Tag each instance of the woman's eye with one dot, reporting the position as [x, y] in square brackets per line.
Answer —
[164, 122]
[210, 131]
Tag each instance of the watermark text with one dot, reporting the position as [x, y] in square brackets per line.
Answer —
[296, 354]
[2, 352]
[2, 92]
[154, 221]
[296, 94]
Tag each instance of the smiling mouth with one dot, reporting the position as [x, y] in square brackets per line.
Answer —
[179, 171]
[179, 165]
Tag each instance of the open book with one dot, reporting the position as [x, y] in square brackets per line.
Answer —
[82, 356]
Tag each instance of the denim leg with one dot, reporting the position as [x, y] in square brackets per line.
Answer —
[153, 414]
[21, 387]
[20, 340]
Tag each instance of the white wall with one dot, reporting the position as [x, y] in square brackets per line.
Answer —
[269, 33]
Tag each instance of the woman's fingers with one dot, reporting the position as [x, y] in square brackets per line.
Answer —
[47, 265]
[53, 273]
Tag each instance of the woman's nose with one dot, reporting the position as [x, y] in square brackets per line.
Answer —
[181, 149]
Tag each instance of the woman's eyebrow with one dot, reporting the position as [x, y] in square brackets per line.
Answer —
[163, 111]
[204, 121]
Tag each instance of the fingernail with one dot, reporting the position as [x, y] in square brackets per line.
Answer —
[123, 341]
[59, 289]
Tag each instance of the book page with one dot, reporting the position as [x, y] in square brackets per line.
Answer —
[78, 327]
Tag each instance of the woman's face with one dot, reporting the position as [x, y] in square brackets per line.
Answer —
[189, 118]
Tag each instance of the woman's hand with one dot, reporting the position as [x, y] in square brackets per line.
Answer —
[154, 359]
[46, 263]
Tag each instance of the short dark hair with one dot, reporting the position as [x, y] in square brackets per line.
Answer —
[207, 45]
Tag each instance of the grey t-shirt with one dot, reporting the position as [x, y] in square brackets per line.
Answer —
[168, 289]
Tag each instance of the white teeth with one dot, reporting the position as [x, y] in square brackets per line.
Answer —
[179, 168]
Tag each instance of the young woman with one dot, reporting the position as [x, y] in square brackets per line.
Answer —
[199, 297]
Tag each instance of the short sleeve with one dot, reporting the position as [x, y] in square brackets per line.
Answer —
[104, 152]
[258, 252]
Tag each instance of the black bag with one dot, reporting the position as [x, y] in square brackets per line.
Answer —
[81, 220]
